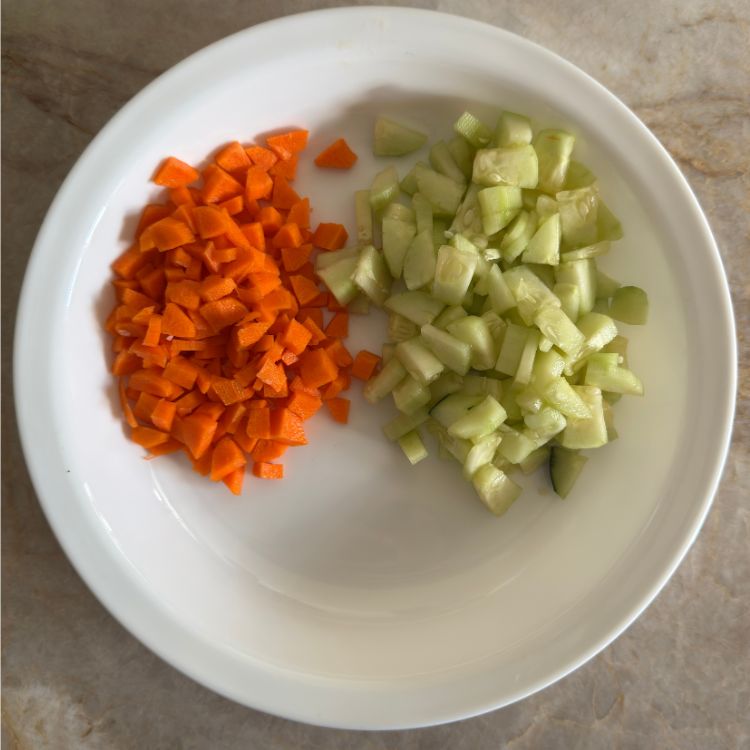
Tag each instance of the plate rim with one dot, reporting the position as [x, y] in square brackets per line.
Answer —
[138, 624]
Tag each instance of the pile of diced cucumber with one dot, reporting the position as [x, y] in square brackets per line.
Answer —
[502, 331]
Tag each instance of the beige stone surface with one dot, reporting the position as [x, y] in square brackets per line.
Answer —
[678, 678]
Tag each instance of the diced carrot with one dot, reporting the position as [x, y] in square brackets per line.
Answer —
[181, 371]
[293, 258]
[150, 215]
[234, 481]
[268, 450]
[184, 293]
[174, 173]
[211, 221]
[338, 328]
[185, 214]
[227, 457]
[223, 312]
[181, 196]
[259, 423]
[232, 157]
[288, 236]
[151, 381]
[127, 265]
[317, 368]
[215, 287]
[284, 196]
[125, 404]
[219, 185]
[250, 333]
[264, 282]
[339, 408]
[168, 446]
[196, 431]
[258, 184]
[163, 414]
[168, 233]
[337, 156]
[211, 409]
[285, 145]
[286, 168]
[272, 374]
[338, 353]
[145, 405]
[330, 236]
[337, 386]
[188, 403]
[255, 235]
[270, 219]
[153, 331]
[312, 326]
[264, 470]
[305, 290]
[232, 417]
[365, 364]
[303, 404]
[229, 391]
[262, 157]
[148, 437]
[233, 206]
[314, 313]
[175, 323]
[299, 213]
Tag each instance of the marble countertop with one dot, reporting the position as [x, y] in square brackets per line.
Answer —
[678, 678]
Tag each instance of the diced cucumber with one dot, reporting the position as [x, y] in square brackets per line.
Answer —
[559, 329]
[545, 207]
[481, 420]
[379, 386]
[442, 161]
[587, 432]
[546, 423]
[399, 212]
[590, 251]
[578, 213]
[578, 176]
[529, 400]
[418, 307]
[526, 361]
[338, 278]
[609, 419]
[419, 361]
[564, 468]
[545, 274]
[397, 236]
[618, 345]
[474, 331]
[457, 448]
[544, 344]
[482, 452]
[422, 213]
[404, 423]
[479, 385]
[560, 394]
[420, 260]
[324, 260]
[570, 299]
[371, 275]
[512, 165]
[499, 205]
[582, 273]
[601, 306]
[544, 246]
[409, 395]
[630, 305]
[468, 219]
[530, 198]
[515, 446]
[598, 329]
[553, 149]
[448, 382]
[385, 188]
[360, 305]
[548, 366]
[409, 183]
[512, 348]
[463, 154]
[394, 139]
[530, 292]
[495, 489]
[451, 351]
[473, 130]
[500, 296]
[517, 235]
[449, 315]
[413, 447]
[453, 407]
[608, 226]
[535, 459]
[439, 230]
[401, 328]
[606, 374]
[443, 193]
[606, 286]
[363, 216]
[513, 130]
[509, 400]
[497, 327]
[453, 274]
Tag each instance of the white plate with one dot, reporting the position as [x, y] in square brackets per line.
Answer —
[360, 592]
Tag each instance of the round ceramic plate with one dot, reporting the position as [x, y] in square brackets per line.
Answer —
[361, 592]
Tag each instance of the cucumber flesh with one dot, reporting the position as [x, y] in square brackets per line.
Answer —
[518, 235]
[544, 246]
[401, 328]
[513, 130]
[394, 139]
[630, 305]
[410, 395]
[451, 351]
[413, 447]
[481, 420]
[385, 188]
[499, 205]
[482, 452]
[391, 374]
[422, 214]
[589, 432]
[449, 314]
[419, 307]
[463, 154]
[453, 407]
[443, 193]
[553, 149]
[512, 165]
[453, 274]
[495, 489]
[564, 468]
[397, 236]
[405, 423]
[420, 261]
[473, 130]
[442, 161]
[419, 361]
[338, 278]
[474, 331]
[363, 216]
[371, 275]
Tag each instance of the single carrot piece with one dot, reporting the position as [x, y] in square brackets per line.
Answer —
[215, 287]
[223, 312]
[339, 408]
[153, 331]
[168, 233]
[233, 206]
[168, 446]
[150, 215]
[127, 265]
[259, 423]
[125, 404]
[295, 337]
[304, 404]
[286, 168]
[174, 173]
[232, 157]
[184, 293]
[337, 156]
[181, 371]
[338, 328]
[144, 406]
[285, 145]
[151, 381]
[163, 415]
[125, 363]
[270, 219]
[364, 365]
[188, 403]
[234, 481]
[284, 196]
[261, 157]
[317, 334]
[250, 333]
[232, 418]
[267, 450]
[196, 431]
[299, 213]
[218, 185]
[293, 258]
[174, 322]
[148, 437]
[338, 353]
[264, 470]
[229, 391]
[227, 457]
[305, 290]
[211, 221]
[181, 196]
[329, 236]
[255, 235]
[317, 368]
[288, 236]
[258, 184]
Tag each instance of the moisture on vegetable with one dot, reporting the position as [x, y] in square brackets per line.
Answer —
[503, 332]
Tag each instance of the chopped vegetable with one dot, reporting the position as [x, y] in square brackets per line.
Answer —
[337, 156]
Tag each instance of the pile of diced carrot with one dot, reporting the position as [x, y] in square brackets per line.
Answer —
[224, 340]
